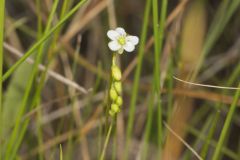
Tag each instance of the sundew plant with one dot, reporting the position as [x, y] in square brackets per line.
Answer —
[119, 80]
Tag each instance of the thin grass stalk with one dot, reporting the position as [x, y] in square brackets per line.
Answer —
[170, 90]
[39, 35]
[114, 147]
[106, 142]
[39, 133]
[158, 92]
[158, 43]
[156, 79]
[61, 152]
[238, 149]
[234, 76]
[210, 135]
[147, 130]
[2, 14]
[164, 5]
[137, 74]
[156, 46]
[42, 40]
[39, 20]
[226, 126]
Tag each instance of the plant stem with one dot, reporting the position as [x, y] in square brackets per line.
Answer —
[2, 14]
[106, 142]
[226, 126]
[137, 77]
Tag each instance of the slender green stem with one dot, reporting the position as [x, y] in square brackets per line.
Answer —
[234, 76]
[39, 113]
[226, 126]
[137, 77]
[61, 152]
[43, 39]
[2, 14]
[170, 90]
[39, 20]
[106, 142]
[158, 43]
[148, 127]
[210, 135]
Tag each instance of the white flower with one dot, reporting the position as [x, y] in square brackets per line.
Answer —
[121, 40]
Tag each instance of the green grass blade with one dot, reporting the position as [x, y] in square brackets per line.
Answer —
[147, 130]
[39, 113]
[156, 45]
[2, 11]
[61, 152]
[226, 126]
[137, 77]
[106, 142]
[2, 14]
[210, 135]
[158, 30]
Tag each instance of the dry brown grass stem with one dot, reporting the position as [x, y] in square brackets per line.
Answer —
[205, 85]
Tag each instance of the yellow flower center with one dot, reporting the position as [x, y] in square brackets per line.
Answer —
[121, 40]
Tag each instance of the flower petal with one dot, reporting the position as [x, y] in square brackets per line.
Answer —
[133, 39]
[121, 31]
[113, 35]
[114, 46]
[129, 47]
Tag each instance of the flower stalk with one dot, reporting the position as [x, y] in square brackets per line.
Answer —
[115, 91]
[120, 42]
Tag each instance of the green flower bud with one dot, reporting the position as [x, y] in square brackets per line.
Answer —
[116, 73]
[113, 94]
[115, 108]
[112, 113]
[119, 101]
[118, 87]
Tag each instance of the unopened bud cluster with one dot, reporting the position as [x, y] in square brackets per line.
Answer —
[115, 89]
